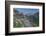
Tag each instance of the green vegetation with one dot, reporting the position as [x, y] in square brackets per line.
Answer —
[36, 21]
[18, 23]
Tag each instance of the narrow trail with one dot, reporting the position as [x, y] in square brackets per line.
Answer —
[27, 22]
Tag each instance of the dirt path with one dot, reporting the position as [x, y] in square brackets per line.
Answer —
[27, 22]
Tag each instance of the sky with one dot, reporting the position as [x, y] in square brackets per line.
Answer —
[27, 11]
